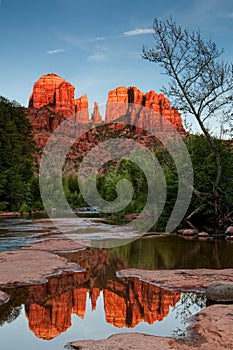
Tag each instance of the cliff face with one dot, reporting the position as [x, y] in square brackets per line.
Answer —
[57, 95]
[151, 100]
[52, 90]
[81, 109]
[52, 101]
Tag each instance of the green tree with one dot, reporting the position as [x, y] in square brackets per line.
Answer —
[16, 161]
[200, 84]
[205, 169]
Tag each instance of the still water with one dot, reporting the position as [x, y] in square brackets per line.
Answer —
[94, 303]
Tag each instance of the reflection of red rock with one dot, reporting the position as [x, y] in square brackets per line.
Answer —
[141, 302]
[94, 293]
[126, 303]
[54, 317]
[79, 304]
[50, 320]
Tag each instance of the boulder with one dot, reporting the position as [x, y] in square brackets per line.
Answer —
[188, 232]
[220, 292]
[229, 231]
[203, 234]
[229, 238]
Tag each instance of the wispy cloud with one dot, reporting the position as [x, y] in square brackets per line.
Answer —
[100, 38]
[139, 31]
[70, 39]
[226, 15]
[97, 57]
[52, 52]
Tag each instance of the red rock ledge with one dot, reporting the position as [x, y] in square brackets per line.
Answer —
[183, 280]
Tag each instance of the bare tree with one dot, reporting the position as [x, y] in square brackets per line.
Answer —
[200, 83]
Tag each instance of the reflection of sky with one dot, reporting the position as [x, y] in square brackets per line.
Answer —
[15, 233]
[18, 336]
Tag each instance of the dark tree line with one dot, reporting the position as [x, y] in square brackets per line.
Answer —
[18, 186]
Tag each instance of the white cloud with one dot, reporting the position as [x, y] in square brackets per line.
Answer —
[97, 57]
[139, 31]
[52, 52]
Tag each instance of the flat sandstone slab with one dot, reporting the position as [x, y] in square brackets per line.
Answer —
[30, 266]
[183, 280]
[211, 329]
[56, 245]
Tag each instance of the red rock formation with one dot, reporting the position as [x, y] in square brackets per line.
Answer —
[81, 109]
[58, 95]
[52, 101]
[52, 90]
[96, 117]
[117, 103]
[151, 100]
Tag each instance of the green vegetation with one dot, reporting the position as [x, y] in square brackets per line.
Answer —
[201, 209]
[205, 169]
[18, 186]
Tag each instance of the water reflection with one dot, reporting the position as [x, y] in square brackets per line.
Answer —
[126, 302]
[175, 252]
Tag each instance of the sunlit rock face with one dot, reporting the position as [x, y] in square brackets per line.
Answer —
[52, 90]
[58, 95]
[158, 103]
[52, 102]
[96, 117]
[81, 109]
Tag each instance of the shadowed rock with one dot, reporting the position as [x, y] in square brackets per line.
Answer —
[219, 292]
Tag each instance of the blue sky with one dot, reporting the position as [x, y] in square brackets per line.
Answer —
[96, 45]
